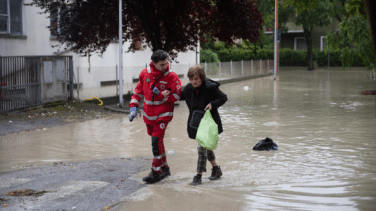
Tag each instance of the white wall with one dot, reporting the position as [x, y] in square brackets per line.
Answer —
[34, 27]
[92, 70]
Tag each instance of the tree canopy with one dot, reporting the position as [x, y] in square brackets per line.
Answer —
[301, 5]
[350, 8]
[170, 25]
[353, 34]
[267, 10]
[318, 16]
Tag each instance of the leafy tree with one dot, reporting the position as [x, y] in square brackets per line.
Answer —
[370, 6]
[365, 8]
[338, 9]
[355, 8]
[267, 10]
[301, 5]
[353, 36]
[171, 25]
[207, 55]
[318, 16]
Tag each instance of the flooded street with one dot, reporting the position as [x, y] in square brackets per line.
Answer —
[325, 131]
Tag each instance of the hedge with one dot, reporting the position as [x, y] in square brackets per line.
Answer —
[208, 56]
[288, 56]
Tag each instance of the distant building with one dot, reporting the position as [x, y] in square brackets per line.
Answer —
[294, 38]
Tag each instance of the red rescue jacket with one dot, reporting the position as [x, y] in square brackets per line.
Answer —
[157, 108]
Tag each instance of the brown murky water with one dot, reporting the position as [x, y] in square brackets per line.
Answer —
[324, 127]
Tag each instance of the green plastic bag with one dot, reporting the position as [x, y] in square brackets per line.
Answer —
[207, 132]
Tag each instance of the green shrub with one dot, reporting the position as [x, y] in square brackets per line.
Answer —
[209, 56]
[224, 55]
[321, 57]
[291, 57]
[240, 54]
[217, 46]
[213, 45]
[287, 56]
[335, 58]
[265, 54]
[358, 60]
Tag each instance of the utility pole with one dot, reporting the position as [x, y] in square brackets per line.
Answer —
[120, 54]
[275, 40]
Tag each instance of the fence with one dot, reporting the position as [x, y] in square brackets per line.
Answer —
[103, 82]
[239, 69]
[28, 81]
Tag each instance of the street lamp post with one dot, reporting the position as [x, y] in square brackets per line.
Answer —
[120, 54]
[275, 40]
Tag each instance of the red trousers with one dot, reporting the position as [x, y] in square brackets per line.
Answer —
[157, 133]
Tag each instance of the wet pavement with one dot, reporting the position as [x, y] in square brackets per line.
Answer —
[324, 128]
[90, 185]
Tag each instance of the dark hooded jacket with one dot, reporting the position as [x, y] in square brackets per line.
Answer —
[208, 92]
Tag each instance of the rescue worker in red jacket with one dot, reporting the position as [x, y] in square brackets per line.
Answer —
[159, 87]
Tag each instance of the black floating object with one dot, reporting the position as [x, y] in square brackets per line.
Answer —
[265, 144]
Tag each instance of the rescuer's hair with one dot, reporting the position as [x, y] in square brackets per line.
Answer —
[159, 55]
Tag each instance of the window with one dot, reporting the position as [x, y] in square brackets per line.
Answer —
[322, 42]
[300, 43]
[59, 16]
[11, 17]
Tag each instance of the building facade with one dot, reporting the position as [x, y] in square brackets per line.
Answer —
[24, 32]
[294, 38]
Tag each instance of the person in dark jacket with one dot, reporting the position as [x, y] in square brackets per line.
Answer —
[203, 94]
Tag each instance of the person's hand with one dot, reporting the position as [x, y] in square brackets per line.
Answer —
[208, 107]
[133, 113]
[165, 93]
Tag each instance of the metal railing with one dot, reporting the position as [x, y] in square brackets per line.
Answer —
[20, 84]
[27, 81]
[238, 69]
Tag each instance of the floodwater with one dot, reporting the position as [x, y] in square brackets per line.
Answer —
[325, 130]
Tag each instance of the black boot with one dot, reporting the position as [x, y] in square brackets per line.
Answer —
[216, 173]
[152, 177]
[196, 180]
[165, 172]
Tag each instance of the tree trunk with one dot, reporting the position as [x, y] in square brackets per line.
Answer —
[370, 6]
[308, 38]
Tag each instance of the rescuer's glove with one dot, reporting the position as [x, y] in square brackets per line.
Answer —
[133, 113]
